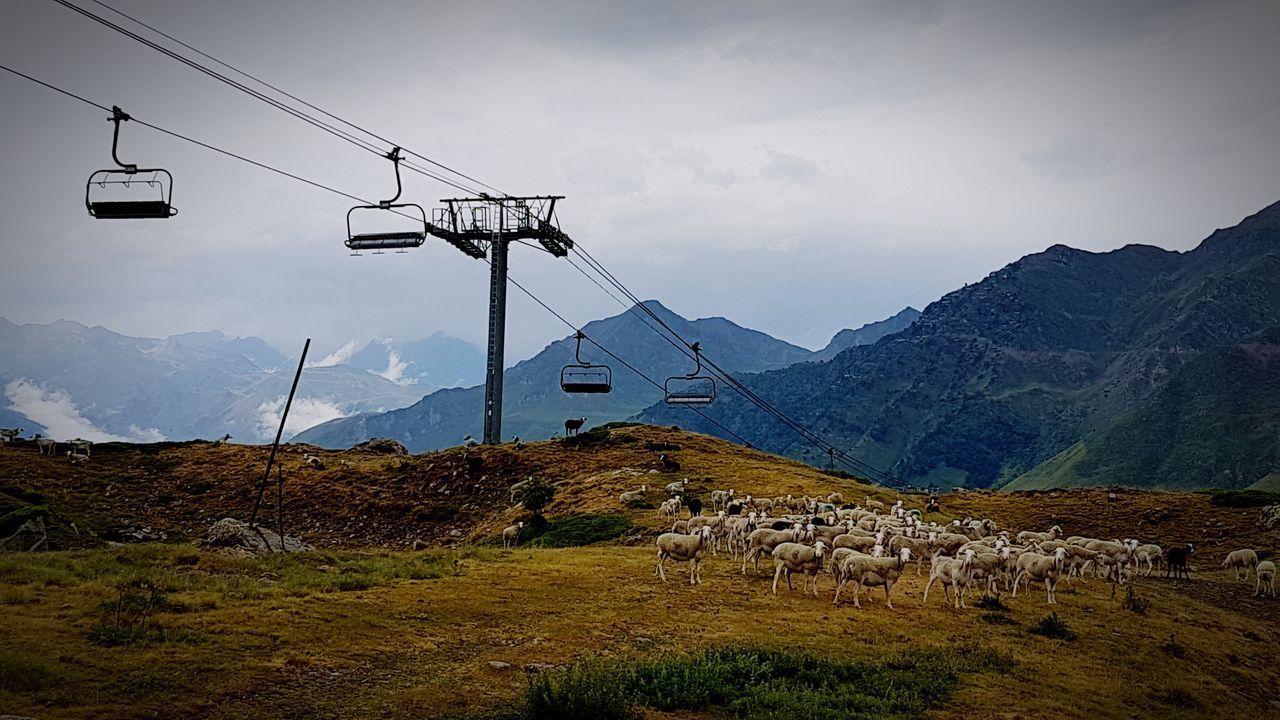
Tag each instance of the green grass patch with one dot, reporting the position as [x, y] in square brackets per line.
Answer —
[21, 673]
[756, 683]
[576, 530]
[1244, 498]
[1052, 626]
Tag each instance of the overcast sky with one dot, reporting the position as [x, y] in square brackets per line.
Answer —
[795, 167]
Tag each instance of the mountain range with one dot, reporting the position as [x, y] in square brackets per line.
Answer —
[1139, 367]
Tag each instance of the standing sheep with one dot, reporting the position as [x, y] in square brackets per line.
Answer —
[572, 426]
[511, 535]
[720, 499]
[951, 572]
[1266, 572]
[868, 571]
[793, 557]
[1034, 566]
[684, 548]
[1239, 560]
[763, 541]
[1177, 561]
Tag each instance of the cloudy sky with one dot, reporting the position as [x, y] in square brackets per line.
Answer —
[797, 167]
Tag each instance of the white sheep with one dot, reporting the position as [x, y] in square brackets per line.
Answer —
[76, 458]
[684, 548]
[634, 497]
[670, 507]
[1026, 537]
[677, 486]
[952, 573]
[720, 499]
[1238, 560]
[763, 541]
[1149, 554]
[511, 535]
[1034, 566]
[44, 443]
[919, 548]
[7, 434]
[81, 446]
[871, 571]
[313, 461]
[873, 504]
[469, 441]
[791, 557]
[1266, 573]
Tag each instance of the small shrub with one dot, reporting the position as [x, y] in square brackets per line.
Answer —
[20, 673]
[1173, 647]
[537, 495]
[1244, 498]
[997, 619]
[992, 603]
[1133, 602]
[591, 438]
[1052, 626]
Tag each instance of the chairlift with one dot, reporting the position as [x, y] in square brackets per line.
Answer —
[692, 389]
[389, 240]
[108, 206]
[583, 377]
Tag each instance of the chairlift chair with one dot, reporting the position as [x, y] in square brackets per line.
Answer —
[389, 240]
[126, 176]
[692, 389]
[582, 376]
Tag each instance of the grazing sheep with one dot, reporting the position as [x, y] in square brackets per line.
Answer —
[313, 461]
[991, 566]
[1238, 560]
[798, 558]
[572, 426]
[1149, 554]
[1034, 566]
[684, 548]
[1177, 561]
[951, 572]
[634, 497]
[763, 541]
[1266, 573]
[869, 571]
[43, 444]
[511, 535]
[677, 487]
[670, 507]
[7, 434]
[873, 504]
[1026, 537]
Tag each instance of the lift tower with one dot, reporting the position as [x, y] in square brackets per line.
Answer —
[486, 226]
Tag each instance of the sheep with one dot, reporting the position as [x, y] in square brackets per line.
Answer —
[1027, 537]
[715, 522]
[76, 458]
[797, 558]
[8, 434]
[919, 548]
[720, 499]
[684, 548]
[870, 571]
[222, 440]
[573, 425]
[991, 566]
[634, 497]
[694, 505]
[857, 542]
[469, 441]
[677, 487]
[313, 461]
[738, 527]
[873, 504]
[1266, 574]
[763, 541]
[952, 572]
[49, 444]
[670, 507]
[1034, 566]
[518, 489]
[762, 504]
[947, 543]
[1149, 554]
[835, 498]
[1241, 560]
[511, 535]
[81, 446]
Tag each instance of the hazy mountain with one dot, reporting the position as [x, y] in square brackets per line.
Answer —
[94, 383]
[867, 334]
[438, 361]
[1138, 366]
[535, 407]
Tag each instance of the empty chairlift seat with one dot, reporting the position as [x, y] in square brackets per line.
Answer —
[584, 377]
[411, 237]
[692, 389]
[128, 192]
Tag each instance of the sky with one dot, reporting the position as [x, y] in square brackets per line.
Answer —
[797, 167]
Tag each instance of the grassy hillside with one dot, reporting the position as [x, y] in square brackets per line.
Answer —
[358, 629]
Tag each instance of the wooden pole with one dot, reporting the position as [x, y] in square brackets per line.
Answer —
[266, 476]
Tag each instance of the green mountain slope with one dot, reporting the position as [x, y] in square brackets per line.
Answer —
[1059, 348]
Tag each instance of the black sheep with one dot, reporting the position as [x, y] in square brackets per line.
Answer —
[1178, 561]
[694, 505]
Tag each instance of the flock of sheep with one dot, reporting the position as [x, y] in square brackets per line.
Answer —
[870, 545]
[78, 452]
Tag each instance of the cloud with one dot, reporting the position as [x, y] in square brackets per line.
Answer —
[339, 356]
[395, 369]
[304, 413]
[55, 410]
[1071, 159]
[789, 167]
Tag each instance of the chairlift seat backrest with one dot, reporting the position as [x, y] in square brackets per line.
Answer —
[584, 377]
[127, 176]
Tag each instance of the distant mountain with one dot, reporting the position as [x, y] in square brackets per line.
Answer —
[1139, 367]
[533, 404]
[438, 361]
[94, 383]
[867, 334]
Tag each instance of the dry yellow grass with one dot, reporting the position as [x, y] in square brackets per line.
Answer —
[421, 648]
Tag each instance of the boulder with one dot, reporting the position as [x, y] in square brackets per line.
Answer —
[234, 534]
[1270, 517]
[382, 446]
[29, 537]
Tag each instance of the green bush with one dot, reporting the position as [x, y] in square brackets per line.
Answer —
[1052, 626]
[1244, 498]
[577, 530]
[746, 682]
